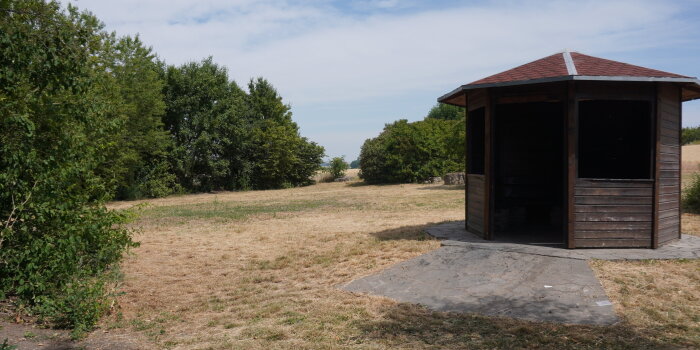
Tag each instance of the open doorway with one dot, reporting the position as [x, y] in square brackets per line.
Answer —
[529, 173]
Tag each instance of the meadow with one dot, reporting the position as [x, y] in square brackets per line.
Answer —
[260, 270]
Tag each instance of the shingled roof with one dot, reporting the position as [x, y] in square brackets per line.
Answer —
[576, 66]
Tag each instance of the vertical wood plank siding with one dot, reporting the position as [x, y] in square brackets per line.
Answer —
[475, 203]
[613, 213]
[668, 167]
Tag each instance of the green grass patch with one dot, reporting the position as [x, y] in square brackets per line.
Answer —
[231, 210]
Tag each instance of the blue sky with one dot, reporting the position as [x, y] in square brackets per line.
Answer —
[349, 67]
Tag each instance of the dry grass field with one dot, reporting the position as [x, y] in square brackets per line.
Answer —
[259, 270]
[690, 162]
[690, 157]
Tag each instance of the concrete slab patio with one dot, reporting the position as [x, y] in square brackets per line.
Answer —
[454, 234]
[540, 283]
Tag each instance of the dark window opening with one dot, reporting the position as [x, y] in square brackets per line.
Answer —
[475, 141]
[614, 139]
[529, 172]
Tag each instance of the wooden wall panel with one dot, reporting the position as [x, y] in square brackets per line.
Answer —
[613, 213]
[668, 182]
[475, 203]
[476, 99]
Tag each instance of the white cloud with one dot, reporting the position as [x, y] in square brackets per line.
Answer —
[313, 53]
[316, 54]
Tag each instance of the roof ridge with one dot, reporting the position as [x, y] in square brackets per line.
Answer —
[570, 64]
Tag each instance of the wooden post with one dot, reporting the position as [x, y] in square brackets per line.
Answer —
[488, 165]
[656, 120]
[466, 162]
[571, 136]
[680, 157]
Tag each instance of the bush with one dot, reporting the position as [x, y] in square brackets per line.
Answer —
[446, 112]
[412, 152]
[6, 346]
[691, 195]
[57, 240]
[690, 135]
[338, 166]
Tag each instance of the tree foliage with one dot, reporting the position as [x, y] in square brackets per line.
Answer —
[411, 152]
[280, 156]
[446, 112]
[87, 116]
[203, 115]
[338, 166]
[228, 139]
[138, 163]
[691, 195]
[690, 135]
[56, 238]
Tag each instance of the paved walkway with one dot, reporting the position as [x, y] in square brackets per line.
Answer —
[454, 234]
[469, 274]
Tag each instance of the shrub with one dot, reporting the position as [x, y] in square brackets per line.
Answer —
[6, 346]
[57, 240]
[338, 166]
[691, 195]
[690, 135]
[412, 152]
[446, 112]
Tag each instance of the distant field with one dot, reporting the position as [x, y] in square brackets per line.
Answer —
[690, 162]
[690, 158]
[325, 176]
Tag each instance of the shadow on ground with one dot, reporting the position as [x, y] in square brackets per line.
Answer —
[363, 184]
[444, 187]
[415, 232]
[412, 326]
[29, 336]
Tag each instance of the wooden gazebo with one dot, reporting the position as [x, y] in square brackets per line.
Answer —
[575, 150]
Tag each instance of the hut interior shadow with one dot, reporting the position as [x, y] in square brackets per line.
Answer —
[615, 139]
[529, 173]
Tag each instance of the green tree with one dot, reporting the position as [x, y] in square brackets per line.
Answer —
[691, 195]
[355, 164]
[690, 135]
[204, 115]
[57, 240]
[138, 162]
[410, 152]
[446, 112]
[280, 156]
[338, 166]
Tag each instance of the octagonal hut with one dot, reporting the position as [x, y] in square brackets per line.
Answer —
[575, 150]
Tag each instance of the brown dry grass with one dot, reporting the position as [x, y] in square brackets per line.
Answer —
[690, 161]
[660, 296]
[325, 176]
[259, 270]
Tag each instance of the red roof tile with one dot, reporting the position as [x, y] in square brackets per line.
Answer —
[548, 67]
[589, 65]
[555, 66]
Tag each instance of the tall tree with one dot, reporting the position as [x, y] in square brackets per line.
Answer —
[446, 112]
[281, 157]
[410, 152]
[204, 114]
[138, 163]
